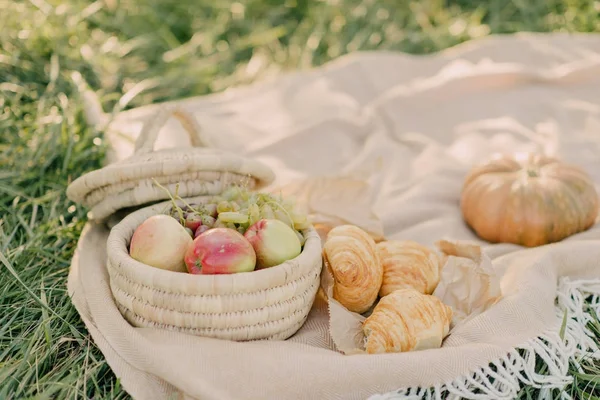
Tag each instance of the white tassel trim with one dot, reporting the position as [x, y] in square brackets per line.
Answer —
[504, 378]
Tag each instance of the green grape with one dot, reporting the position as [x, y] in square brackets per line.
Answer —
[244, 195]
[230, 225]
[262, 199]
[230, 193]
[223, 206]
[217, 199]
[289, 204]
[208, 221]
[267, 212]
[252, 199]
[210, 209]
[283, 217]
[300, 220]
[233, 217]
[253, 213]
[234, 206]
[302, 225]
[241, 229]
[298, 217]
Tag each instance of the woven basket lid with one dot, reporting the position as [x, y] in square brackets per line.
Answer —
[194, 171]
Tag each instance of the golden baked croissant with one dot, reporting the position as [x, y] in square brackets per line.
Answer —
[406, 320]
[351, 257]
[323, 229]
[408, 264]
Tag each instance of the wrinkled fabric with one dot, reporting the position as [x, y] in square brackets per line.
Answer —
[410, 127]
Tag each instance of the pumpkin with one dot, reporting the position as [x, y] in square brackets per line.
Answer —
[528, 199]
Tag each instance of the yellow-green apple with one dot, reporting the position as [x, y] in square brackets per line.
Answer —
[160, 241]
[274, 242]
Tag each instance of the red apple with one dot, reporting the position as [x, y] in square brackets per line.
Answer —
[160, 241]
[274, 242]
[220, 251]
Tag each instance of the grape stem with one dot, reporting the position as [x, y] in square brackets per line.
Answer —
[175, 206]
[185, 203]
[281, 208]
[265, 198]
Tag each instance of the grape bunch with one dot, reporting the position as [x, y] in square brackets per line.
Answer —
[238, 208]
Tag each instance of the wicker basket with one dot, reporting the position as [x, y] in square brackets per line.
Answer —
[266, 304]
[271, 303]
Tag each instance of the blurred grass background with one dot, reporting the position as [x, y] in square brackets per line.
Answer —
[135, 52]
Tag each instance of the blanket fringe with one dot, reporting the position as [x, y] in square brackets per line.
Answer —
[504, 378]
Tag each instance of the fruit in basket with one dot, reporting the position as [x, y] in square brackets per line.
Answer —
[406, 320]
[273, 241]
[233, 217]
[161, 242]
[208, 220]
[528, 199]
[408, 264]
[210, 210]
[193, 221]
[351, 256]
[220, 251]
[201, 229]
[239, 208]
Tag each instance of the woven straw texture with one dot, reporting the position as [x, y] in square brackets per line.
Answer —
[272, 303]
[193, 171]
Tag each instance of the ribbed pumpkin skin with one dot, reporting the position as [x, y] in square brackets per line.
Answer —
[531, 200]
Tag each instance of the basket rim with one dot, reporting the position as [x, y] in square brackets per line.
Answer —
[146, 194]
[181, 160]
[178, 282]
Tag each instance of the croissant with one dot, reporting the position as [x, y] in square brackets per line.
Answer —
[351, 256]
[408, 264]
[323, 229]
[406, 320]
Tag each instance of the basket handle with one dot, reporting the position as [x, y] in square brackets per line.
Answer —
[150, 130]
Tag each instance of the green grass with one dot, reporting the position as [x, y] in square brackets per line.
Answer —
[134, 52]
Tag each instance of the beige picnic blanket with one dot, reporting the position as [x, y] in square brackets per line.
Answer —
[408, 128]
